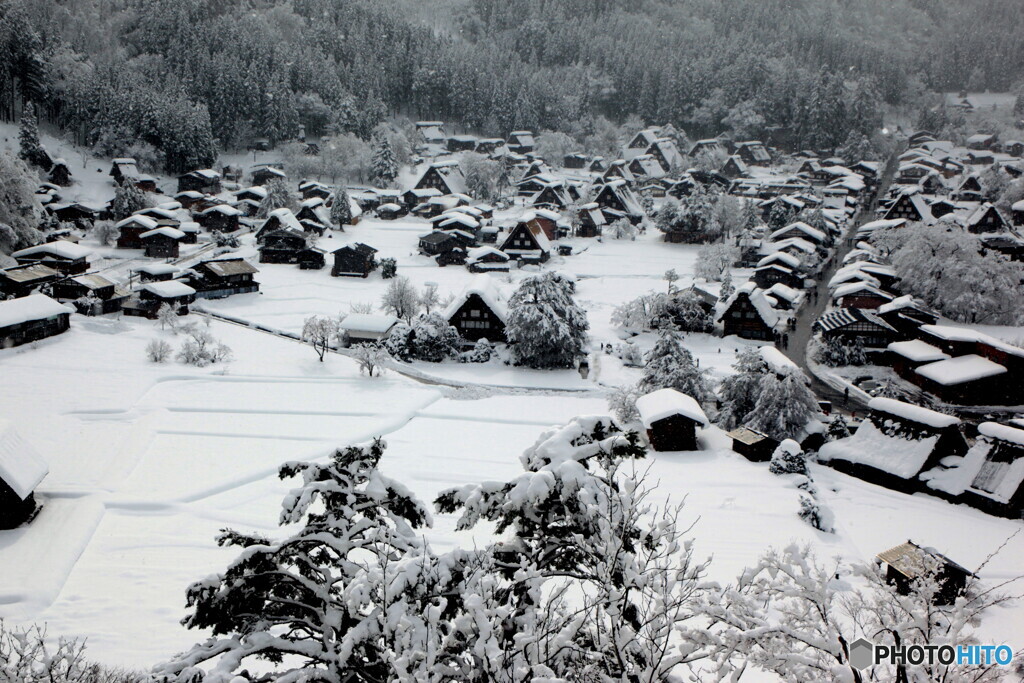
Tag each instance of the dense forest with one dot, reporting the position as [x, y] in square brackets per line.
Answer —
[186, 77]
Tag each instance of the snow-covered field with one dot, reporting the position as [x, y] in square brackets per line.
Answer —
[148, 462]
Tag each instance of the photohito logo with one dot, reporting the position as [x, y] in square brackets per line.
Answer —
[864, 653]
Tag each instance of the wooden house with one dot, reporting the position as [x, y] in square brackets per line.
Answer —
[986, 219]
[157, 272]
[575, 161]
[479, 312]
[982, 141]
[860, 295]
[895, 443]
[76, 213]
[854, 324]
[991, 475]
[19, 281]
[909, 562]
[591, 220]
[671, 419]
[445, 176]
[752, 444]
[416, 196]
[31, 318]
[520, 141]
[315, 210]
[354, 260]
[642, 141]
[21, 472]
[489, 145]
[263, 174]
[616, 195]
[65, 257]
[749, 314]
[710, 146]
[801, 230]
[312, 258]
[90, 294]
[527, 241]
[753, 152]
[770, 274]
[461, 143]
[909, 206]
[970, 379]
[618, 170]
[152, 295]
[734, 167]
[189, 198]
[310, 189]
[552, 196]
[646, 166]
[130, 231]
[218, 278]
[278, 219]
[666, 153]
[162, 242]
[431, 132]
[920, 137]
[486, 259]
[367, 328]
[437, 242]
[204, 180]
[282, 246]
[908, 355]
[59, 173]
[906, 315]
[124, 169]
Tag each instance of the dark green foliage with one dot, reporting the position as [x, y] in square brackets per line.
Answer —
[388, 268]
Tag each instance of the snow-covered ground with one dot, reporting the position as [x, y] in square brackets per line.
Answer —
[148, 462]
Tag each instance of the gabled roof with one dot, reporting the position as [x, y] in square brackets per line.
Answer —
[21, 467]
[668, 402]
[168, 289]
[910, 559]
[29, 308]
[844, 317]
[142, 221]
[813, 233]
[485, 287]
[59, 248]
[172, 233]
[229, 266]
[764, 308]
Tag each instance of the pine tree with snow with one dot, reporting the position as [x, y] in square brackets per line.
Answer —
[582, 580]
[327, 602]
[20, 212]
[278, 197]
[31, 150]
[739, 391]
[384, 166]
[545, 327]
[727, 288]
[784, 405]
[671, 365]
[837, 428]
[780, 216]
[128, 199]
[341, 208]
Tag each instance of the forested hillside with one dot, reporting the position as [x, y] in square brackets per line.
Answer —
[190, 76]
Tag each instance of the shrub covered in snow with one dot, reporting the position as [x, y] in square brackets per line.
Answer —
[202, 349]
[388, 268]
[158, 351]
[788, 458]
[784, 405]
[371, 358]
[837, 352]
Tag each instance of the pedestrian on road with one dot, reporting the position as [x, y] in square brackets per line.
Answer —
[846, 393]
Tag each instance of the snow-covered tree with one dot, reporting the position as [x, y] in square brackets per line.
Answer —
[383, 166]
[640, 313]
[587, 587]
[671, 277]
[321, 603]
[546, 328]
[429, 297]
[686, 311]
[621, 229]
[691, 219]
[370, 358]
[401, 299]
[30, 149]
[740, 391]
[552, 146]
[158, 351]
[726, 289]
[321, 332]
[128, 199]
[714, 260]
[104, 232]
[837, 428]
[622, 403]
[671, 365]
[837, 352]
[167, 316]
[784, 405]
[788, 458]
[388, 268]
[278, 197]
[429, 337]
[780, 215]
[482, 176]
[202, 349]
[341, 208]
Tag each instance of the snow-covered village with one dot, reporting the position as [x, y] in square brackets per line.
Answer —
[519, 342]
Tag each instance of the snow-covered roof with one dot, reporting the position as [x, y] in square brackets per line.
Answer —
[158, 269]
[800, 226]
[21, 467]
[869, 445]
[764, 308]
[286, 218]
[143, 221]
[172, 233]
[776, 360]
[368, 322]
[189, 226]
[909, 411]
[60, 248]
[1018, 206]
[962, 334]
[461, 219]
[858, 286]
[918, 351]
[485, 287]
[664, 403]
[960, 370]
[229, 266]
[477, 253]
[28, 308]
[786, 258]
[1002, 432]
[1000, 485]
[168, 289]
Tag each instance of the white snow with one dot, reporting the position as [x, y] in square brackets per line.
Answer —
[62, 248]
[663, 403]
[908, 411]
[168, 289]
[961, 369]
[143, 221]
[368, 323]
[173, 233]
[776, 360]
[872, 447]
[1002, 432]
[486, 287]
[27, 308]
[917, 351]
[21, 467]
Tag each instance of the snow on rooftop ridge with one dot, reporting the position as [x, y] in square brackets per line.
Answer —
[144, 221]
[869, 445]
[368, 322]
[62, 248]
[664, 403]
[908, 411]
[776, 360]
[28, 308]
[166, 231]
[168, 289]
[485, 287]
[21, 467]
[960, 370]
[1002, 432]
[918, 351]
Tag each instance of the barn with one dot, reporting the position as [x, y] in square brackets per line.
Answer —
[752, 444]
[131, 229]
[204, 180]
[363, 328]
[21, 471]
[671, 419]
[218, 278]
[282, 246]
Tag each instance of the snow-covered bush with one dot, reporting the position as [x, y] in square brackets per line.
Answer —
[341, 209]
[838, 352]
[167, 316]
[278, 197]
[546, 328]
[622, 403]
[639, 314]
[158, 351]
[788, 458]
[388, 268]
[480, 353]
[127, 200]
[713, 260]
[837, 428]
[104, 232]
[202, 349]
[815, 514]
[630, 355]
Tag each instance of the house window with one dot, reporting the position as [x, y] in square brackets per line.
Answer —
[474, 313]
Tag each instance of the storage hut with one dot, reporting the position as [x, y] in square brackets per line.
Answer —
[671, 419]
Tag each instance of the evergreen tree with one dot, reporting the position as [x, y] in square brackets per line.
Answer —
[341, 209]
[278, 197]
[128, 199]
[671, 365]
[780, 216]
[20, 212]
[788, 458]
[727, 289]
[31, 150]
[384, 166]
[545, 327]
[328, 602]
[784, 405]
[740, 391]
[837, 428]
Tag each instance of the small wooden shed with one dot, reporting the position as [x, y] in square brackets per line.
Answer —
[671, 419]
[907, 562]
[21, 470]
